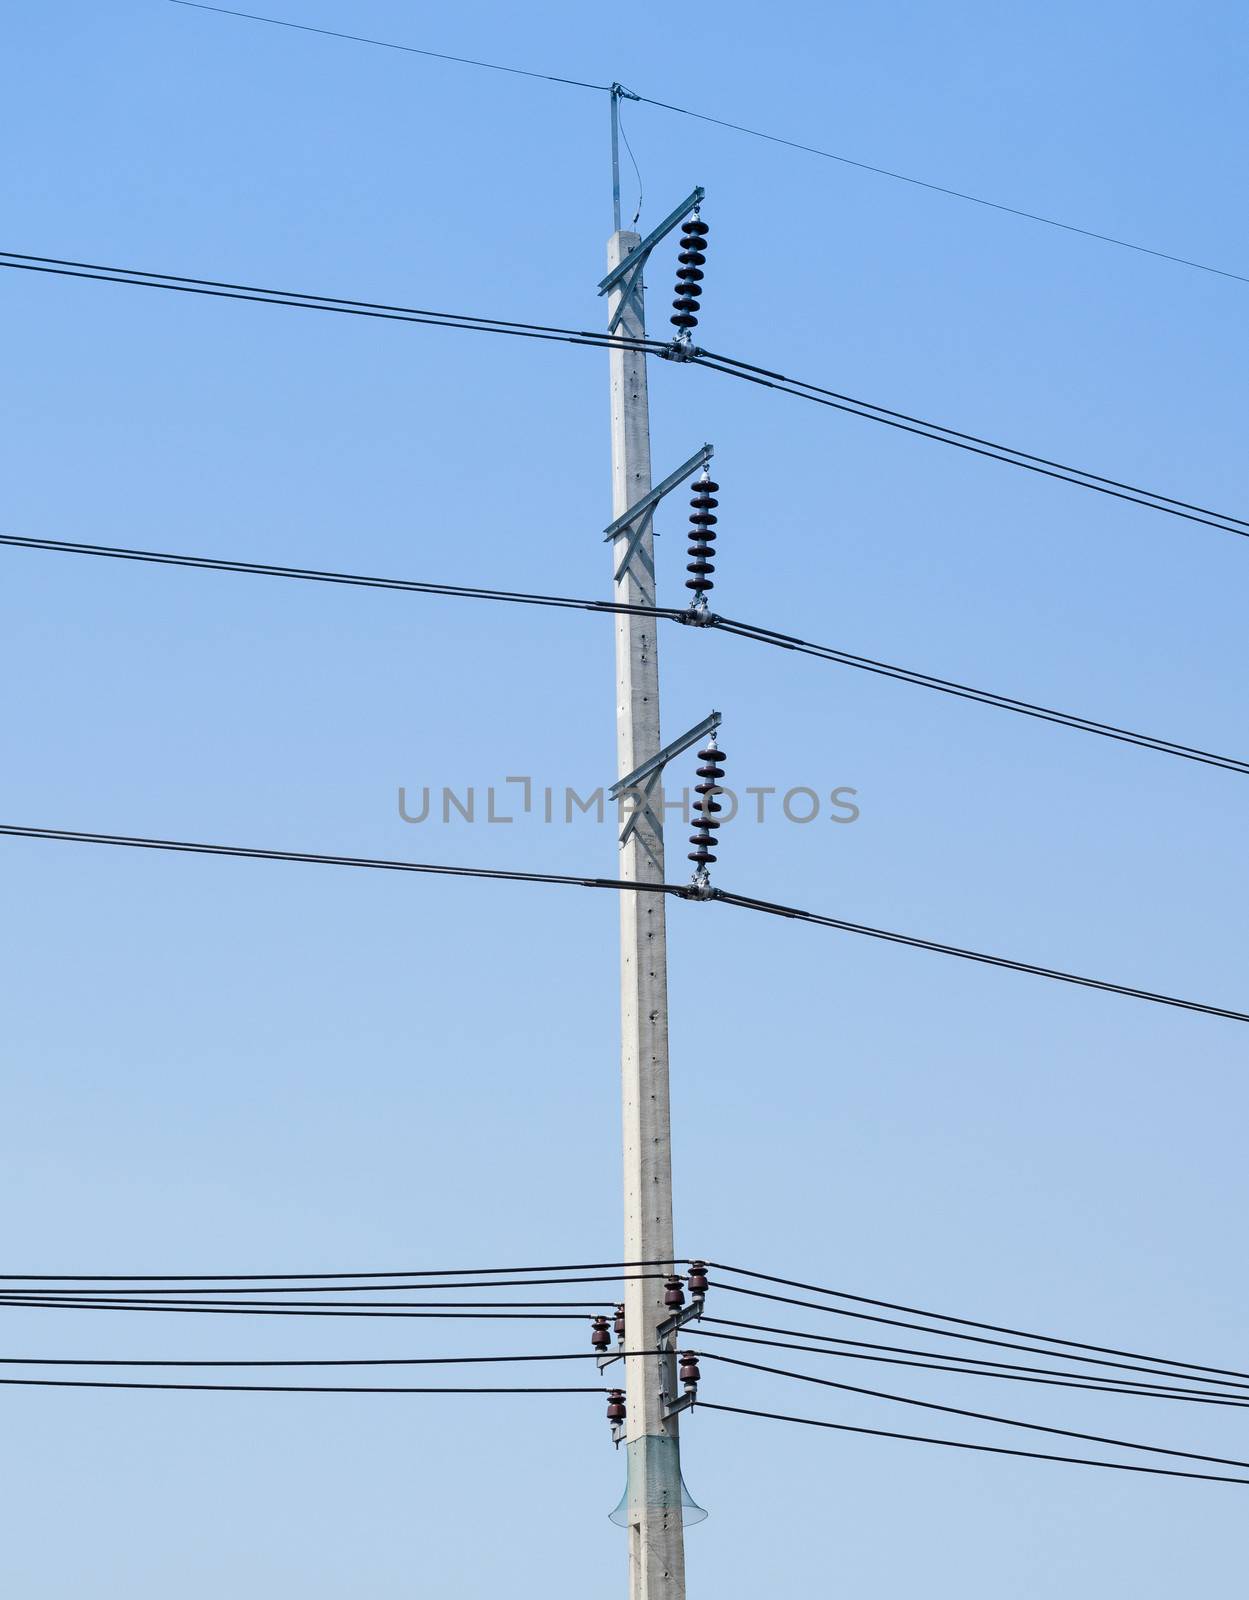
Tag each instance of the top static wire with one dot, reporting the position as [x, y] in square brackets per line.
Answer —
[737, 127]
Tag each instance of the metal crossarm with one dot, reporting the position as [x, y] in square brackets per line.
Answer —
[660, 760]
[637, 518]
[627, 274]
[638, 255]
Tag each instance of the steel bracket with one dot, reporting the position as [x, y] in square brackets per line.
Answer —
[628, 273]
[689, 1313]
[637, 519]
[672, 1408]
[643, 780]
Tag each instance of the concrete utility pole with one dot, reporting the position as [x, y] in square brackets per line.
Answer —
[656, 1538]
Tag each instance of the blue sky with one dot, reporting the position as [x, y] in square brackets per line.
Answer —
[234, 1066]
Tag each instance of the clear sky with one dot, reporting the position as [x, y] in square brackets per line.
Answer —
[232, 1066]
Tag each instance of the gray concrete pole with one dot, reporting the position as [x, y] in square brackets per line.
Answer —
[656, 1539]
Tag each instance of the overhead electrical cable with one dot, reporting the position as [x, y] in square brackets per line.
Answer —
[1234, 1390]
[217, 290]
[737, 127]
[149, 1292]
[1000, 1369]
[1206, 1375]
[1003, 453]
[961, 1444]
[744, 630]
[976, 1416]
[140, 1307]
[869, 411]
[289, 1388]
[316, 1361]
[387, 44]
[967, 1322]
[816, 919]
[54, 1301]
[680, 891]
[255, 1277]
[973, 438]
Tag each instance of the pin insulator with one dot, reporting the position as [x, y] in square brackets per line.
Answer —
[692, 257]
[620, 1323]
[697, 1279]
[674, 1295]
[600, 1337]
[689, 1371]
[615, 1405]
[705, 808]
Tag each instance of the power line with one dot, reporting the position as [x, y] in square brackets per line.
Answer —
[973, 438]
[744, 630]
[346, 1288]
[977, 1416]
[333, 1361]
[954, 194]
[754, 133]
[249, 1277]
[962, 691]
[217, 290]
[967, 1322]
[286, 1388]
[68, 1300]
[939, 1361]
[386, 44]
[383, 865]
[267, 1310]
[681, 891]
[1178, 1378]
[939, 434]
[748, 903]
[960, 1444]
[869, 411]
[973, 1338]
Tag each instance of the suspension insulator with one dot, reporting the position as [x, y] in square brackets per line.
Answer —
[620, 1323]
[674, 1295]
[702, 537]
[600, 1338]
[706, 821]
[689, 1371]
[692, 257]
[615, 1405]
[697, 1280]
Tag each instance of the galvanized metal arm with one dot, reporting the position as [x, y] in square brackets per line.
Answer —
[629, 271]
